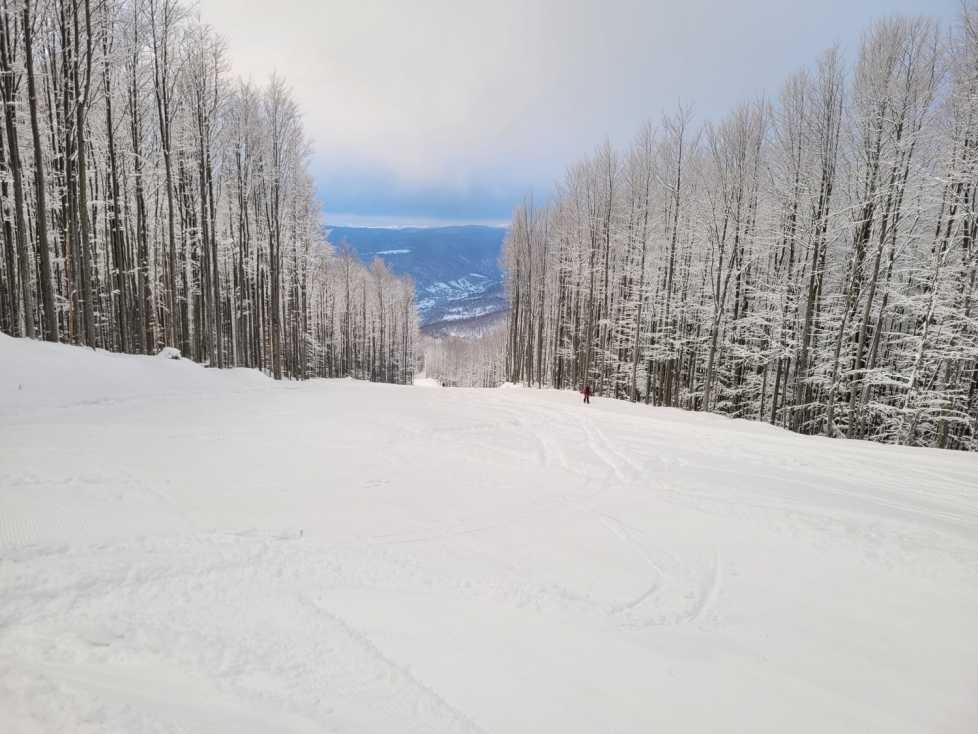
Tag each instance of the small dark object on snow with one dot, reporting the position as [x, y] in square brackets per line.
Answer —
[587, 394]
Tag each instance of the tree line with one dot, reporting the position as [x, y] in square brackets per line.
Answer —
[466, 361]
[808, 260]
[151, 199]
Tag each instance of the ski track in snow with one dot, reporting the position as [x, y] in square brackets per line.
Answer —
[188, 550]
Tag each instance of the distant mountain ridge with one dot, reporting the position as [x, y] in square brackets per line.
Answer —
[455, 269]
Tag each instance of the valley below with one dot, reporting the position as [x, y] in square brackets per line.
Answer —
[456, 270]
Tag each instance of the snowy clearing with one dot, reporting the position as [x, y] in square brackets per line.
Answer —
[183, 549]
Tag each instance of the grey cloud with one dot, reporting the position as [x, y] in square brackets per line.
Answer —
[465, 105]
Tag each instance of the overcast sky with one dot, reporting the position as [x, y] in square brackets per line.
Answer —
[439, 110]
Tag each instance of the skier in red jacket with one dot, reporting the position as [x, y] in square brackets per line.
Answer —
[587, 394]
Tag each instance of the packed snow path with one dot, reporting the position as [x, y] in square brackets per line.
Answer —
[190, 550]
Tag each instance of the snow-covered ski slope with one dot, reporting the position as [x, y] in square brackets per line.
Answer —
[188, 550]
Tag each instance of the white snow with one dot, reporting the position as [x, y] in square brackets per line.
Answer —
[422, 380]
[188, 549]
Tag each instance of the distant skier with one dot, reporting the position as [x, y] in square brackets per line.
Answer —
[587, 394]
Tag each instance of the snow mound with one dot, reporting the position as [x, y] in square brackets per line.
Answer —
[169, 353]
[37, 376]
[423, 381]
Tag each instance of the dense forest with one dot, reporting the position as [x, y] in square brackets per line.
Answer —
[808, 260]
[150, 199]
[466, 361]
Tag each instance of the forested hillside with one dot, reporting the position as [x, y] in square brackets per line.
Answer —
[466, 361]
[807, 260]
[455, 269]
[151, 199]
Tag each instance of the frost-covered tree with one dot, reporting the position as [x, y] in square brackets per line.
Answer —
[466, 361]
[149, 199]
[808, 260]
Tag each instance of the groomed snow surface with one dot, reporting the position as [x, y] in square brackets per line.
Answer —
[193, 550]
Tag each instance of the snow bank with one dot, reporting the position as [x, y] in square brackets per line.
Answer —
[422, 380]
[39, 375]
[189, 549]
